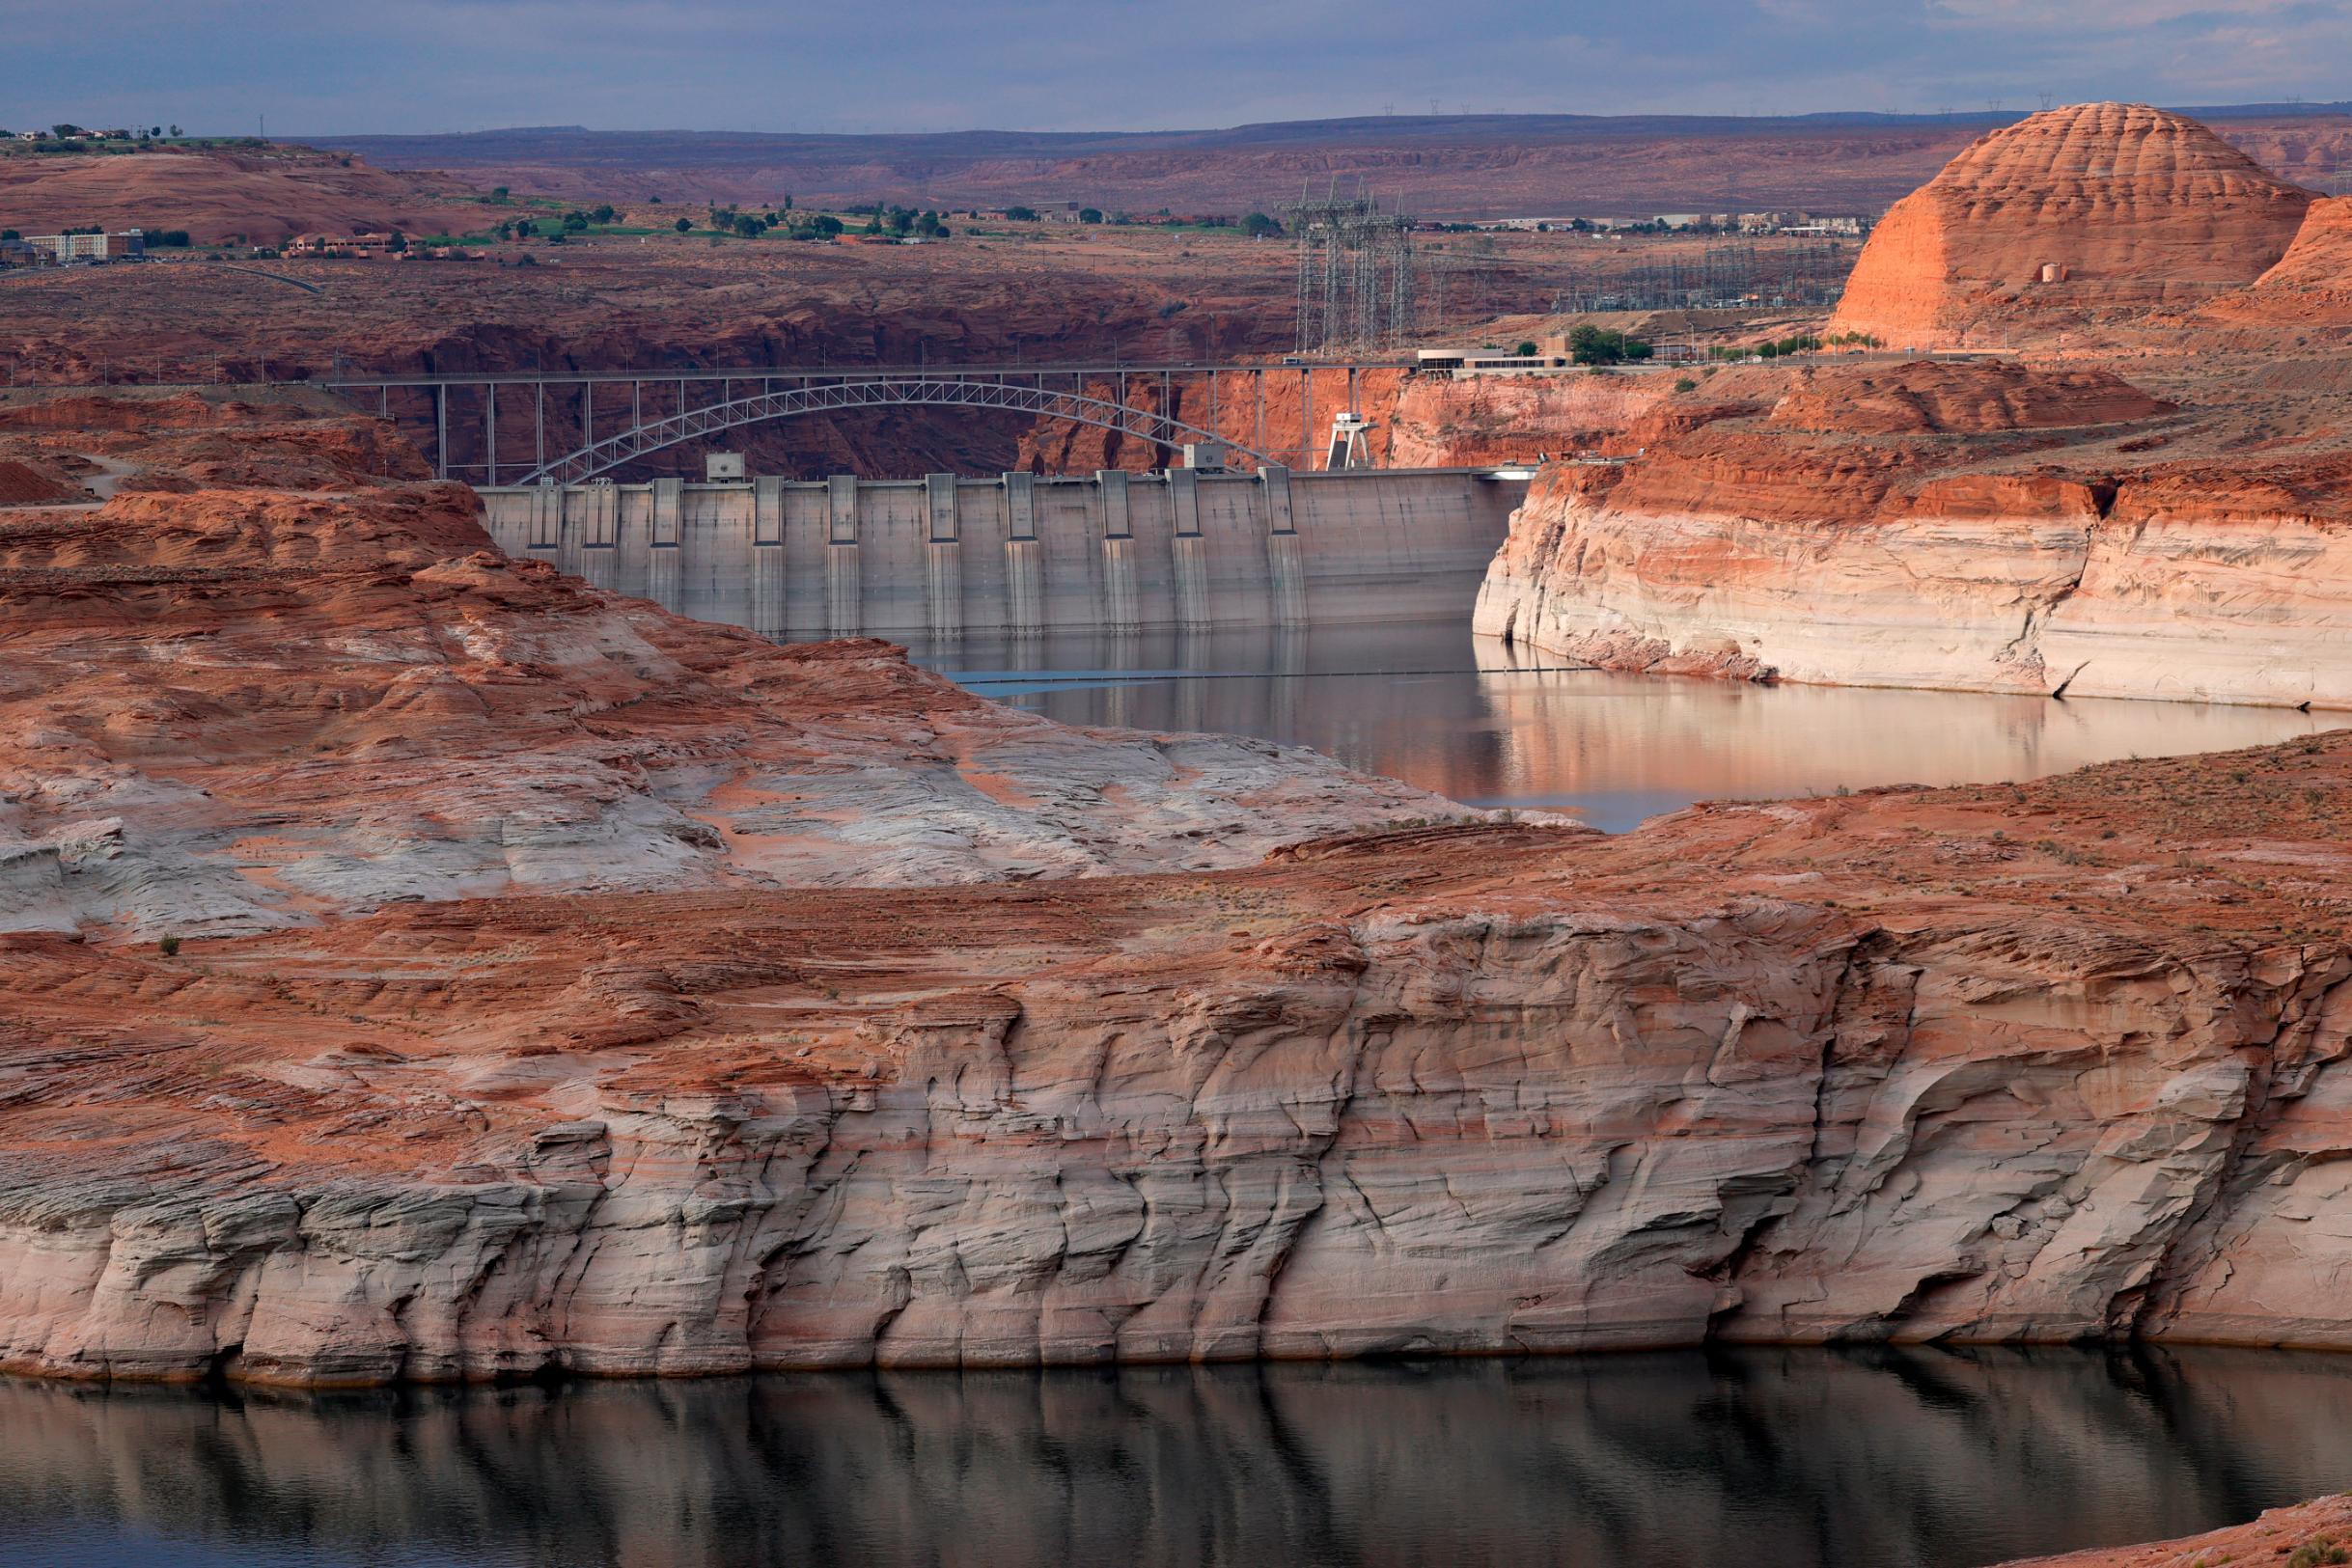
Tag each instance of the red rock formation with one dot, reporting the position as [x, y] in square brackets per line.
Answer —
[1939, 397]
[282, 674]
[2045, 1062]
[2311, 283]
[2136, 205]
[23, 484]
[1907, 1066]
[2311, 1535]
[1965, 526]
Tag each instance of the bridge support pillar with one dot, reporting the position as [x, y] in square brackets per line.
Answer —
[768, 563]
[943, 559]
[1286, 565]
[843, 615]
[1189, 550]
[1024, 564]
[1121, 612]
[662, 543]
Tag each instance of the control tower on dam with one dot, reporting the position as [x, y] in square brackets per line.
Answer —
[1028, 554]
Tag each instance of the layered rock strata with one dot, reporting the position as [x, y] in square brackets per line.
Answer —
[519, 1013]
[281, 674]
[2045, 1063]
[1975, 527]
[2070, 215]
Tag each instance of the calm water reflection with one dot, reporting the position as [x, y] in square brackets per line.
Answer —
[1798, 1459]
[1484, 724]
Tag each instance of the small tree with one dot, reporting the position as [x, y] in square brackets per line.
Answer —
[1258, 226]
[1089, 214]
[683, 224]
[1021, 214]
[175, 130]
[498, 195]
[1526, 350]
[397, 243]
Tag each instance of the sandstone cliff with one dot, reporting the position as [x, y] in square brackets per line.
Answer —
[525, 1019]
[2135, 206]
[1906, 1066]
[1977, 527]
[282, 674]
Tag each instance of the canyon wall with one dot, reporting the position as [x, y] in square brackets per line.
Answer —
[2173, 590]
[1966, 526]
[1742, 1076]
[423, 965]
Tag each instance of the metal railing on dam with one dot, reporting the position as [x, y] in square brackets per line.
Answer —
[1026, 555]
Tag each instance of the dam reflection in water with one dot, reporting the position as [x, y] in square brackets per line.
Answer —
[1490, 725]
[1781, 1459]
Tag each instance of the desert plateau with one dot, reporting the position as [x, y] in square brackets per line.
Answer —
[1374, 838]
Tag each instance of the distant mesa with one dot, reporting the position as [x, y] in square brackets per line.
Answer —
[2070, 215]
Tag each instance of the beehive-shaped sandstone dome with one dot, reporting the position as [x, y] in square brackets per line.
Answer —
[2069, 213]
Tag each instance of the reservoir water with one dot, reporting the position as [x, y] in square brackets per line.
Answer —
[1764, 1459]
[1489, 724]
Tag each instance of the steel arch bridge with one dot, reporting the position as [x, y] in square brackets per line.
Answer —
[884, 392]
[568, 432]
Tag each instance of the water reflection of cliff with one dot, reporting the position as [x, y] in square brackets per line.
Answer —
[1478, 721]
[1788, 1458]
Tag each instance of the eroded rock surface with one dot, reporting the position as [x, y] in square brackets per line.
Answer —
[2124, 205]
[522, 1015]
[282, 674]
[2045, 1063]
[1978, 527]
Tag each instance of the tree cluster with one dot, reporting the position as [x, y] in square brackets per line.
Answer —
[903, 222]
[1589, 345]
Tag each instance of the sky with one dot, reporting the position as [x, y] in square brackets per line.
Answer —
[324, 66]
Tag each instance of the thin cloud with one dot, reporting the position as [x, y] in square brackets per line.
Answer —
[943, 65]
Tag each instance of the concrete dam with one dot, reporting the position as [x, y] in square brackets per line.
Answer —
[1027, 555]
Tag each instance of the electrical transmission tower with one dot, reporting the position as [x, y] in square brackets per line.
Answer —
[1355, 274]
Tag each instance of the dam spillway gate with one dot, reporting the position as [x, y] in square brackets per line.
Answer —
[1027, 555]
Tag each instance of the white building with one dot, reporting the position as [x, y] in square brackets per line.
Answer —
[71, 247]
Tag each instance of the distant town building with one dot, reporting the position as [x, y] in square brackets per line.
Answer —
[64, 249]
[338, 245]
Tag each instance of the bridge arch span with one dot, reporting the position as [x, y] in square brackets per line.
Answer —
[916, 391]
